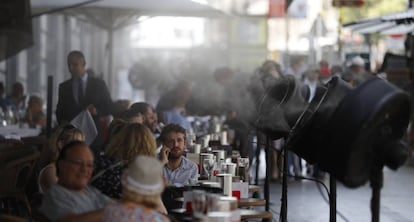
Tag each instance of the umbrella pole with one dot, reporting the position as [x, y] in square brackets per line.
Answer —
[409, 49]
[49, 106]
[110, 75]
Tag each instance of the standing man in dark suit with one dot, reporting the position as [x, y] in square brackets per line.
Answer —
[83, 92]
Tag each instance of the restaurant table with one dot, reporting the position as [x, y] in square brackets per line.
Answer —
[254, 188]
[254, 214]
[243, 202]
[14, 132]
[251, 202]
[245, 214]
[208, 187]
[173, 195]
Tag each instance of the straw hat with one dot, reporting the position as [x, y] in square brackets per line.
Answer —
[144, 176]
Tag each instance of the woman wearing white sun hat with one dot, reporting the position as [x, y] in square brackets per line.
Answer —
[142, 185]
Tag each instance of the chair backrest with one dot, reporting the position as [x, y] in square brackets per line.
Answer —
[6, 143]
[11, 218]
[10, 149]
[16, 165]
[17, 170]
[39, 217]
[39, 143]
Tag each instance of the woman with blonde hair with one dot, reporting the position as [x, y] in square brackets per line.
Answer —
[35, 117]
[62, 136]
[132, 140]
[142, 185]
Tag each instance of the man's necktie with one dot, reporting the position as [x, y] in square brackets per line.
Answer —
[80, 92]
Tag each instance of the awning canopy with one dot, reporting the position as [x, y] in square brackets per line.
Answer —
[391, 24]
[147, 7]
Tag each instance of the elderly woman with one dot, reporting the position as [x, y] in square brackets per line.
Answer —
[142, 185]
[130, 141]
[35, 117]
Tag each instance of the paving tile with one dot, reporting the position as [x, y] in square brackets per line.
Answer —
[307, 203]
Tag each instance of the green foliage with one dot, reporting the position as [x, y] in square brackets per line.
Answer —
[372, 8]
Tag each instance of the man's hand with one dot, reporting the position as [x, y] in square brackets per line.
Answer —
[164, 154]
[92, 109]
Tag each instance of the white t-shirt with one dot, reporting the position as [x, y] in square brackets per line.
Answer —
[59, 202]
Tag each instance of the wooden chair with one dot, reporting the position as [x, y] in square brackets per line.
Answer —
[249, 215]
[15, 170]
[7, 143]
[39, 217]
[11, 218]
[39, 143]
[10, 149]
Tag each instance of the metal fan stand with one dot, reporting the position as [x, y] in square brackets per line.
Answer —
[332, 193]
[303, 119]
[283, 207]
[376, 181]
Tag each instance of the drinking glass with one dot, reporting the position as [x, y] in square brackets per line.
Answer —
[212, 202]
[3, 121]
[208, 165]
[235, 154]
[193, 181]
[243, 162]
[243, 170]
[199, 203]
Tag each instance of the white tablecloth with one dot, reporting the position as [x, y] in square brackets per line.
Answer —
[14, 132]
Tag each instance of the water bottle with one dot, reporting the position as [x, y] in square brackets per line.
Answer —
[9, 116]
[2, 118]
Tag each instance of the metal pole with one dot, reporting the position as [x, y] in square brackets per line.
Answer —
[377, 179]
[340, 19]
[283, 209]
[409, 47]
[258, 147]
[49, 106]
[268, 170]
[110, 74]
[332, 199]
[287, 32]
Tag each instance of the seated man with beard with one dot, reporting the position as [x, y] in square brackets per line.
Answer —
[178, 169]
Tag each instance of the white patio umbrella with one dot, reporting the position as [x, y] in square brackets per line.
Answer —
[197, 8]
[394, 23]
[112, 15]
